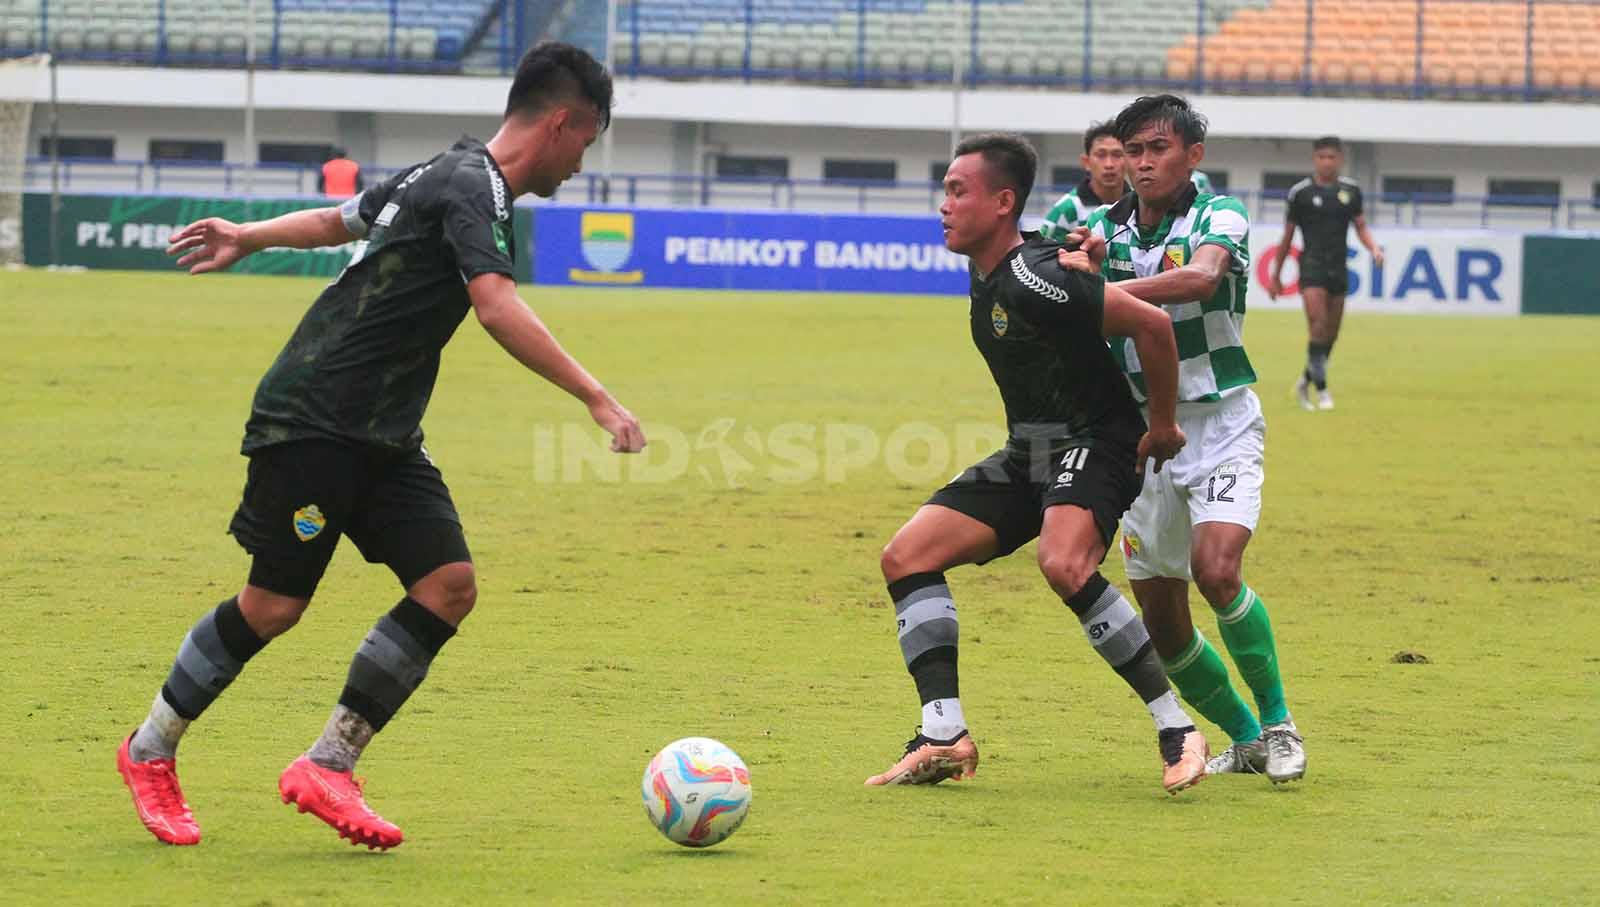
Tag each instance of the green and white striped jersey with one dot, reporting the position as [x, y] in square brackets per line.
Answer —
[1072, 210]
[1210, 332]
[1201, 182]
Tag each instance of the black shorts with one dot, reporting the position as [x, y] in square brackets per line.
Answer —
[300, 496]
[1007, 494]
[1326, 272]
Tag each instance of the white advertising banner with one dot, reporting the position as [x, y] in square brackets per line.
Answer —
[1447, 272]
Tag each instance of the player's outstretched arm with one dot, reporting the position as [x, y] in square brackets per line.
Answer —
[1275, 284]
[1151, 331]
[214, 244]
[516, 328]
[1196, 280]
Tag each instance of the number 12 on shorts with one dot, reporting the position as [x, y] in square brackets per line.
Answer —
[1214, 494]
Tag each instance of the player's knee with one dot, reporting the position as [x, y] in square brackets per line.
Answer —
[1217, 577]
[450, 591]
[898, 560]
[269, 614]
[1066, 573]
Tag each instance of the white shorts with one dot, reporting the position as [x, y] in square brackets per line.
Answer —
[1216, 478]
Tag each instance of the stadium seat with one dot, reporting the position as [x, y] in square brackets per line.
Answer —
[211, 31]
[66, 40]
[1017, 39]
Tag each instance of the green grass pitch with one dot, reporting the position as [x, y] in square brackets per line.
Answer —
[728, 587]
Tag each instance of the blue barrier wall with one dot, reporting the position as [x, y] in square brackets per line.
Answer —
[732, 250]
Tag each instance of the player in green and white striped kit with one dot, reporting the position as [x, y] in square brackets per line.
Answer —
[1106, 181]
[1188, 250]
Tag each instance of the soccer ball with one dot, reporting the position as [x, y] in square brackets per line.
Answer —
[696, 791]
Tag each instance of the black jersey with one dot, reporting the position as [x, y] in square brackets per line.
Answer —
[1038, 327]
[1324, 214]
[362, 364]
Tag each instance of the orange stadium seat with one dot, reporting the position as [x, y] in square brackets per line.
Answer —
[1464, 74]
[1466, 44]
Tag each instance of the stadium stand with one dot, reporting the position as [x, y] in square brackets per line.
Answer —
[1467, 46]
[330, 33]
[1021, 40]
[1402, 47]
[582, 22]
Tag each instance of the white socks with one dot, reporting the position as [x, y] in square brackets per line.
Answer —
[158, 737]
[942, 719]
[1167, 713]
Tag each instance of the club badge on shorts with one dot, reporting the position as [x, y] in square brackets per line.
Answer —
[309, 522]
[1130, 544]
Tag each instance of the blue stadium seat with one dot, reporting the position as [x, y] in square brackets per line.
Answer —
[333, 33]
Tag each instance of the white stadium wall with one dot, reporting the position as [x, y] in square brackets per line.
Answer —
[644, 146]
[404, 118]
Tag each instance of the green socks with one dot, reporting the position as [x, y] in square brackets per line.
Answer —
[1202, 678]
[1247, 632]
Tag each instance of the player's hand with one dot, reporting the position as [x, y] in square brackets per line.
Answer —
[1377, 256]
[1075, 237]
[1076, 260]
[1095, 247]
[208, 245]
[1274, 287]
[626, 435]
[1161, 443]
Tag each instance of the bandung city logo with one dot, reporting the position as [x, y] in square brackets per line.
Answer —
[606, 238]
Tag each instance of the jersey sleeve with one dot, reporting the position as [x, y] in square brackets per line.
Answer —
[1055, 297]
[1355, 202]
[361, 211]
[1292, 204]
[1225, 224]
[477, 220]
[1060, 219]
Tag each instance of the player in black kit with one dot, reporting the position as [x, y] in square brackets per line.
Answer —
[1323, 206]
[1068, 472]
[335, 438]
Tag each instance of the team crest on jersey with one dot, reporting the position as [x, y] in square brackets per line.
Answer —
[1344, 197]
[998, 318]
[1175, 257]
[309, 522]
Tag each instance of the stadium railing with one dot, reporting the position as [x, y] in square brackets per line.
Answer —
[1497, 49]
[88, 175]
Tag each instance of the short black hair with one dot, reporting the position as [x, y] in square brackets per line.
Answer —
[1009, 158]
[1328, 141]
[1108, 129]
[552, 72]
[1186, 122]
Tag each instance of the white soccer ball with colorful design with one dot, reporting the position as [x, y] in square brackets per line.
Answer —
[696, 791]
